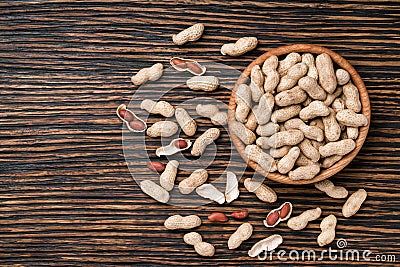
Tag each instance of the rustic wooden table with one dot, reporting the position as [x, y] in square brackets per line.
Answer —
[67, 196]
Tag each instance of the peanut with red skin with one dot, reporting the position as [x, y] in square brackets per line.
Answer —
[137, 125]
[272, 218]
[217, 217]
[155, 166]
[126, 115]
[180, 144]
[285, 210]
[240, 215]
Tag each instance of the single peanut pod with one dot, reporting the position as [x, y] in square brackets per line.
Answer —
[290, 97]
[309, 150]
[262, 142]
[203, 83]
[257, 83]
[152, 73]
[243, 102]
[289, 61]
[354, 202]
[331, 190]
[267, 129]
[352, 132]
[286, 113]
[326, 73]
[267, 244]
[271, 74]
[331, 97]
[352, 97]
[167, 178]
[162, 128]
[154, 190]
[315, 109]
[292, 77]
[331, 126]
[184, 120]
[197, 178]
[245, 135]
[240, 47]
[264, 109]
[265, 161]
[287, 162]
[304, 172]
[211, 192]
[310, 132]
[312, 88]
[242, 233]
[308, 59]
[348, 117]
[340, 148]
[279, 152]
[182, 222]
[286, 138]
[263, 192]
[330, 161]
[161, 107]
[251, 121]
[342, 76]
[338, 105]
[212, 112]
[191, 34]
[300, 222]
[328, 225]
[202, 248]
[303, 161]
[204, 140]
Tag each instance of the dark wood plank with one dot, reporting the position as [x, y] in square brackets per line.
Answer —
[67, 197]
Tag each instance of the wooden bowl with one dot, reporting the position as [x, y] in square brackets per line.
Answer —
[344, 64]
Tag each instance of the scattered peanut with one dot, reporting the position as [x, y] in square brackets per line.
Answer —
[328, 225]
[183, 64]
[202, 248]
[266, 244]
[331, 190]
[239, 215]
[176, 222]
[175, 146]
[152, 73]
[242, 46]
[354, 203]
[162, 128]
[242, 233]
[212, 112]
[300, 222]
[340, 148]
[197, 178]
[203, 83]
[161, 107]
[190, 34]
[155, 166]
[217, 217]
[167, 178]
[204, 140]
[154, 190]
[263, 192]
[184, 120]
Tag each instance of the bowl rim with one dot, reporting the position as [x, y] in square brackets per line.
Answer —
[357, 81]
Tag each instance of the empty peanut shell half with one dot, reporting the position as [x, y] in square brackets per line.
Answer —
[210, 192]
[176, 145]
[133, 123]
[190, 65]
[231, 189]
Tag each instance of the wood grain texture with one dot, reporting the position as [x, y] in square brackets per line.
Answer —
[67, 197]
